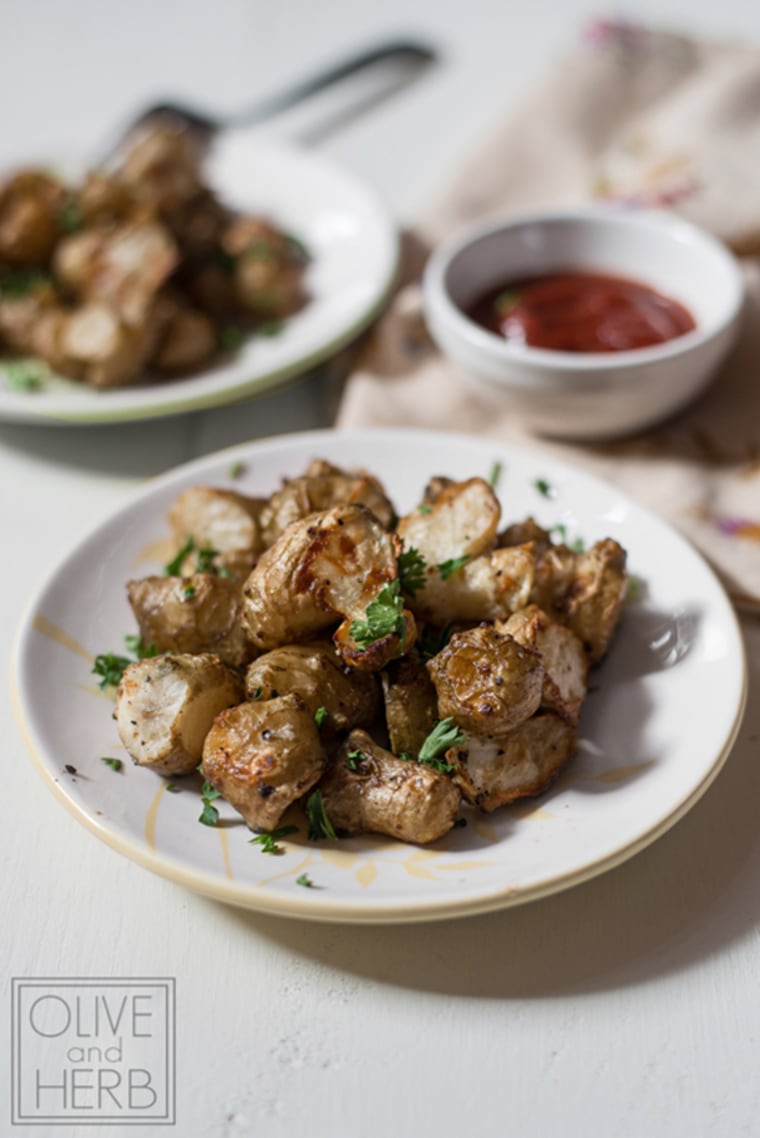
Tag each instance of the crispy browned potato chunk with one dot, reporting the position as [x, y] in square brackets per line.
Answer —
[586, 591]
[222, 520]
[316, 673]
[411, 707]
[94, 344]
[165, 706]
[262, 756]
[518, 533]
[326, 568]
[486, 681]
[494, 771]
[562, 655]
[369, 790]
[268, 269]
[161, 167]
[488, 588]
[320, 488]
[201, 613]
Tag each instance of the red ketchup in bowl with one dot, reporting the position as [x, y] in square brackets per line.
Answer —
[572, 311]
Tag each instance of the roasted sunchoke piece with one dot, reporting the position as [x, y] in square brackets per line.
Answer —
[94, 344]
[188, 342]
[220, 520]
[261, 756]
[268, 268]
[322, 570]
[369, 790]
[494, 771]
[161, 167]
[488, 588]
[562, 655]
[316, 673]
[487, 682]
[30, 207]
[461, 522]
[320, 488]
[519, 533]
[201, 613]
[411, 708]
[165, 706]
[586, 591]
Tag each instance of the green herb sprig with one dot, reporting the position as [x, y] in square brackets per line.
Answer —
[320, 825]
[270, 839]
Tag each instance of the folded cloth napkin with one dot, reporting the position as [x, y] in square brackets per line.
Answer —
[648, 118]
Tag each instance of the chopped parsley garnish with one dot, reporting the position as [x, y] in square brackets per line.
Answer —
[209, 815]
[110, 668]
[269, 840]
[459, 824]
[495, 475]
[561, 531]
[204, 562]
[578, 546]
[70, 219]
[453, 565]
[18, 283]
[545, 488]
[114, 764]
[188, 592]
[270, 329]
[320, 715]
[411, 570]
[305, 880]
[354, 760]
[433, 641]
[25, 374]
[320, 825]
[236, 469]
[444, 735]
[174, 567]
[424, 509]
[231, 338]
[139, 649]
[259, 251]
[259, 691]
[172, 788]
[385, 615]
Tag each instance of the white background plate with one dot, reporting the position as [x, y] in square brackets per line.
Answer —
[354, 248]
[655, 731]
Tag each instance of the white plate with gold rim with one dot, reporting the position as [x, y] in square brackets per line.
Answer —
[655, 731]
[353, 245]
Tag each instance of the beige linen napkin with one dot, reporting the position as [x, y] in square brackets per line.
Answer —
[650, 118]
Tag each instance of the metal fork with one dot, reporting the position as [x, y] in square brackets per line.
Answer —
[396, 65]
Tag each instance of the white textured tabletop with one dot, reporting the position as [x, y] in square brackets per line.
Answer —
[628, 1006]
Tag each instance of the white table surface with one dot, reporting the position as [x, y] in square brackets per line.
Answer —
[629, 1006]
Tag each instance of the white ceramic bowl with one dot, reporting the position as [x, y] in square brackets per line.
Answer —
[577, 394]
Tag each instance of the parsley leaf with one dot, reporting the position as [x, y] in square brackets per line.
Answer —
[424, 509]
[411, 570]
[354, 760]
[25, 374]
[320, 715]
[320, 825]
[231, 338]
[257, 693]
[495, 475]
[269, 839]
[305, 880]
[204, 562]
[139, 649]
[110, 668]
[433, 641]
[385, 615]
[270, 328]
[453, 565]
[209, 816]
[174, 567]
[172, 788]
[114, 764]
[236, 469]
[545, 488]
[444, 735]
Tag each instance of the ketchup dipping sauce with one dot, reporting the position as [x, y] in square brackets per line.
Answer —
[572, 311]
